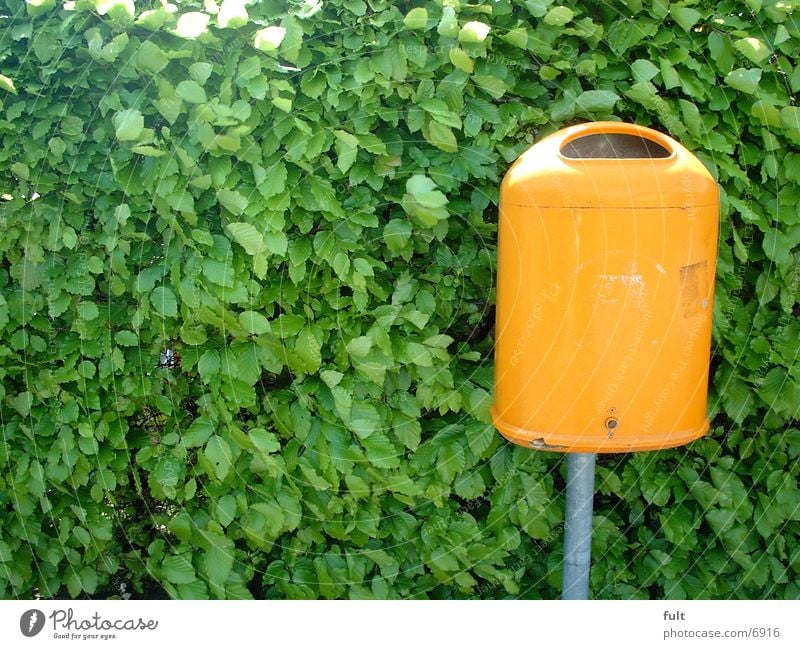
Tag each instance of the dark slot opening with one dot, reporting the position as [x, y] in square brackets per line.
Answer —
[613, 145]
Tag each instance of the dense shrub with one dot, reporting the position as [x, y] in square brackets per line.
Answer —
[247, 285]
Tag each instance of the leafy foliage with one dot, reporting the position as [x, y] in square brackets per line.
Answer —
[247, 287]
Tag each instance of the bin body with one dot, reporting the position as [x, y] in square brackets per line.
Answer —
[605, 292]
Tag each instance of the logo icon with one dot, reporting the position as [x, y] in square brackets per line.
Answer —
[31, 622]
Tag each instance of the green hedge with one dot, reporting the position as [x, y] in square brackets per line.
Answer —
[247, 297]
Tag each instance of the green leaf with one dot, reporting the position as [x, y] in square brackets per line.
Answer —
[439, 340]
[308, 349]
[191, 91]
[766, 112]
[269, 39]
[722, 52]
[218, 453]
[164, 301]
[200, 71]
[364, 420]
[479, 437]
[448, 24]
[380, 451]
[441, 136]
[170, 108]
[418, 354]
[152, 19]
[744, 80]
[473, 31]
[193, 334]
[150, 57]
[643, 70]
[273, 516]
[469, 486]
[559, 16]
[83, 581]
[479, 402]
[234, 202]
[225, 509]
[409, 431]
[490, 84]
[7, 84]
[22, 403]
[596, 101]
[360, 346]
[777, 247]
[208, 365]
[443, 560]
[198, 432]
[88, 311]
[416, 19]
[122, 11]
[290, 47]
[126, 338]
[451, 461]
[232, 14]
[129, 124]
[148, 151]
[272, 181]
[753, 49]
[21, 171]
[264, 441]
[423, 201]
[790, 117]
[218, 560]
[737, 399]
[346, 149]
[192, 24]
[276, 242]
[686, 17]
[254, 322]
[461, 60]
[5, 552]
[287, 325]
[517, 37]
[331, 377]
[245, 234]
[396, 234]
[220, 273]
[178, 570]
[38, 7]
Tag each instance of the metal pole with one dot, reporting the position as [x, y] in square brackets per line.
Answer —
[578, 525]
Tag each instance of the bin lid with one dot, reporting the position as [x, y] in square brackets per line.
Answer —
[608, 164]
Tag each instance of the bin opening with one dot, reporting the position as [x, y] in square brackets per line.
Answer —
[613, 145]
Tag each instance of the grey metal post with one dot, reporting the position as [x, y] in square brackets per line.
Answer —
[578, 525]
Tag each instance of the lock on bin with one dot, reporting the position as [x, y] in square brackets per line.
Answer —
[607, 255]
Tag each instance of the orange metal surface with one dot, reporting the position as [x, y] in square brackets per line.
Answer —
[605, 296]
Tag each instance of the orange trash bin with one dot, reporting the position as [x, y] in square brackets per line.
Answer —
[606, 265]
